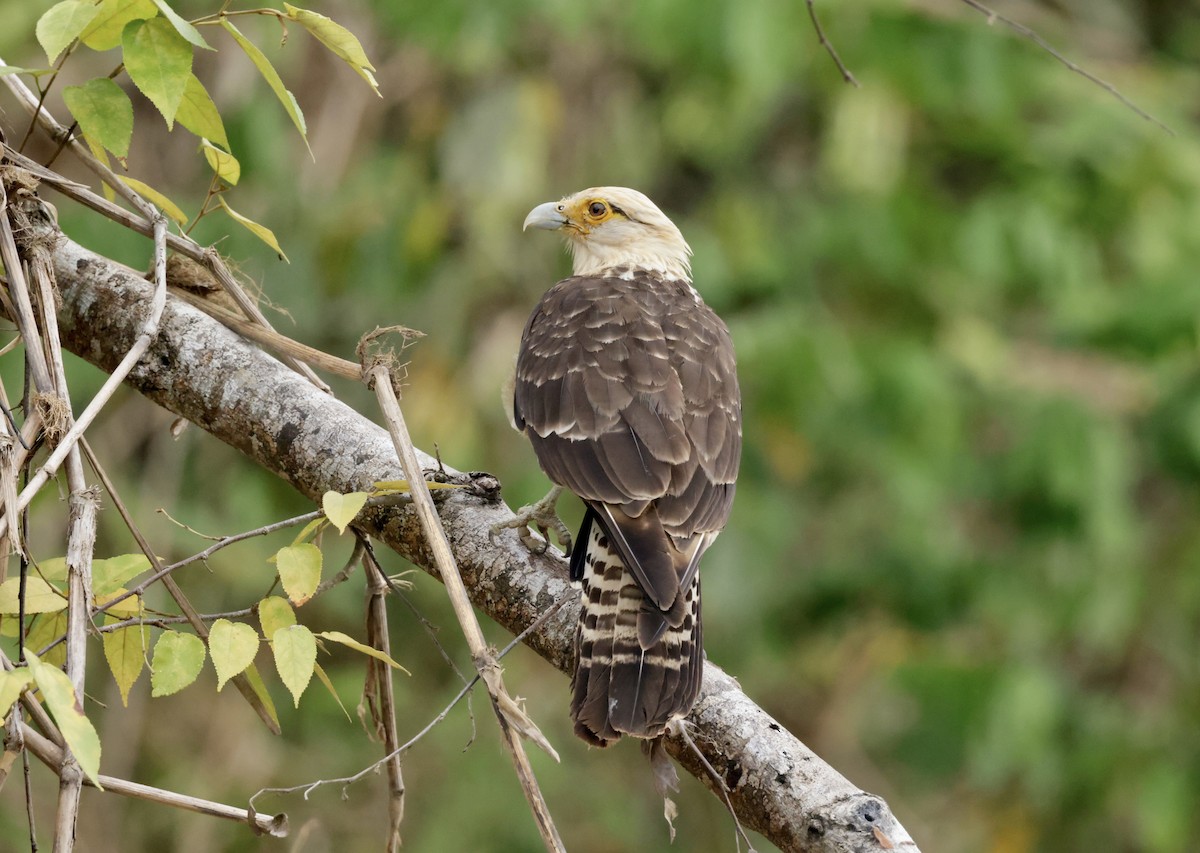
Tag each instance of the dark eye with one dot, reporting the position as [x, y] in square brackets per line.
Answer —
[597, 208]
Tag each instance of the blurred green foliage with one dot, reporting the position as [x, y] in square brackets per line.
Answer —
[964, 562]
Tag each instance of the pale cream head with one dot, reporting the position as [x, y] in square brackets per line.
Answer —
[612, 227]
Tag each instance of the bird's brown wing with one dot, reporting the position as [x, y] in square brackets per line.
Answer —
[626, 387]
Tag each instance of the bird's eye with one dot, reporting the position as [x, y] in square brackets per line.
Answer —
[597, 208]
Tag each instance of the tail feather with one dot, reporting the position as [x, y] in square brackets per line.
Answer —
[637, 667]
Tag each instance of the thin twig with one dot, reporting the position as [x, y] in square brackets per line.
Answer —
[509, 715]
[381, 679]
[309, 787]
[828, 45]
[240, 681]
[149, 330]
[1026, 33]
[431, 631]
[208, 257]
[51, 755]
[208, 552]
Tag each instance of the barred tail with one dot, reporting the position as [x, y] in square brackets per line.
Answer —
[623, 686]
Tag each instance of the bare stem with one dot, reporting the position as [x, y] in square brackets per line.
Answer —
[828, 45]
[1026, 33]
[512, 720]
[51, 755]
[381, 677]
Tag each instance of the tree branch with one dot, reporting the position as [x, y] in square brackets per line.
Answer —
[201, 370]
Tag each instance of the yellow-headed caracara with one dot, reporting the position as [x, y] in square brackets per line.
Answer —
[625, 384]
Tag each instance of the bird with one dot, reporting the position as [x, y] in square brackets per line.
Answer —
[626, 386]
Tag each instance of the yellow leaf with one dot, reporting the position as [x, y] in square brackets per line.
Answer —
[170, 208]
[44, 630]
[275, 613]
[76, 729]
[226, 166]
[125, 650]
[40, 597]
[260, 690]
[299, 571]
[12, 683]
[310, 529]
[338, 39]
[271, 76]
[295, 652]
[345, 640]
[127, 608]
[342, 509]
[260, 231]
[329, 686]
[232, 647]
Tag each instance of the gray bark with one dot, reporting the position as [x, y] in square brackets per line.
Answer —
[199, 369]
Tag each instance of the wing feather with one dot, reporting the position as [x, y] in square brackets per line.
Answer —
[627, 389]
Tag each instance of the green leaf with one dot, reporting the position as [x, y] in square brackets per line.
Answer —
[40, 597]
[272, 77]
[226, 166]
[346, 640]
[343, 509]
[199, 114]
[159, 63]
[104, 112]
[170, 208]
[338, 39]
[111, 574]
[125, 650]
[232, 647]
[295, 651]
[260, 690]
[104, 32]
[260, 231]
[76, 729]
[5, 70]
[181, 26]
[299, 571]
[329, 686]
[178, 659]
[275, 613]
[11, 685]
[62, 24]
[44, 630]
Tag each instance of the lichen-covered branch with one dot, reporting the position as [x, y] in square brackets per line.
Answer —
[201, 370]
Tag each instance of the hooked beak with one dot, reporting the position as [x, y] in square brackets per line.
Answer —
[546, 216]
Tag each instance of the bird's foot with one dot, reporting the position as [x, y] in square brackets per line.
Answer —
[542, 515]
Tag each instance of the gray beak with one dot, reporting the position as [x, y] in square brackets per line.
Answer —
[546, 216]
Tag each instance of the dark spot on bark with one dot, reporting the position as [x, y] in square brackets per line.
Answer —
[287, 435]
[733, 775]
[82, 264]
[775, 727]
[781, 779]
[867, 814]
[816, 829]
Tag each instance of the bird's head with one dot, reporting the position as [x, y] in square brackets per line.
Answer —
[608, 228]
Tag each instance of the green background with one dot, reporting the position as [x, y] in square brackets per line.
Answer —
[964, 559]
